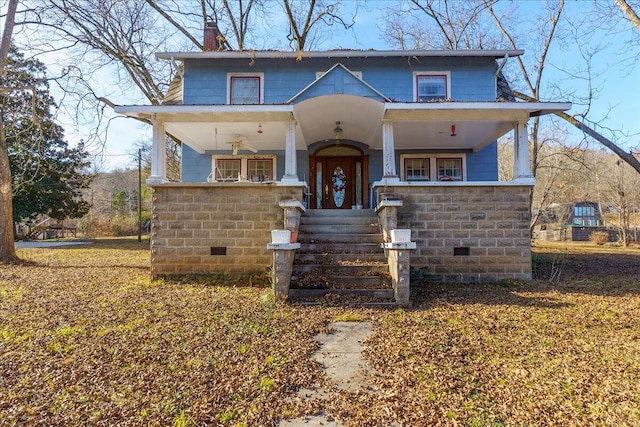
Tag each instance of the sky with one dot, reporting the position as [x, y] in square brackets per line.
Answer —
[617, 85]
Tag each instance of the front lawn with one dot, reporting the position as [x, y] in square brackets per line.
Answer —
[86, 338]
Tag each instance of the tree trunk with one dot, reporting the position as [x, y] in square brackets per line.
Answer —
[7, 246]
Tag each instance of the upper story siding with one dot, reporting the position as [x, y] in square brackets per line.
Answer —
[206, 79]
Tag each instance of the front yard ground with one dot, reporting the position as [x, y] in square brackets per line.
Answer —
[86, 338]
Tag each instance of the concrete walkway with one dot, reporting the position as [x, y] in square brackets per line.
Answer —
[340, 353]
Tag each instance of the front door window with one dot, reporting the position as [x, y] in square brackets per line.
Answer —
[339, 186]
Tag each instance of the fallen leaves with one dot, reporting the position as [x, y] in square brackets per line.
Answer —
[86, 338]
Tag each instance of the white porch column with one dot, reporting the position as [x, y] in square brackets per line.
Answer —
[522, 163]
[290, 156]
[158, 155]
[388, 152]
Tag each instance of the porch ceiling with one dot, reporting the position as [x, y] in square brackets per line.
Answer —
[416, 125]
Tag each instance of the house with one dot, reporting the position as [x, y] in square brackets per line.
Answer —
[571, 222]
[269, 136]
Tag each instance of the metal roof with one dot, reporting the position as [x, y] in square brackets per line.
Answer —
[341, 53]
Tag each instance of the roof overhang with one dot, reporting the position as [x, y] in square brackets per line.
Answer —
[416, 125]
[210, 127]
[342, 53]
[460, 125]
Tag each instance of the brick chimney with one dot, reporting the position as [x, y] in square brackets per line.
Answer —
[211, 34]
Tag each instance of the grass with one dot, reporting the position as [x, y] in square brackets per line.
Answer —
[86, 338]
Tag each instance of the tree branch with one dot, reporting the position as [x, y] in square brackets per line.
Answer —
[175, 23]
[629, 13]
[627, 157]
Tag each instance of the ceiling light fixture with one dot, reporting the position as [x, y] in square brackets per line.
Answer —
[337, 133]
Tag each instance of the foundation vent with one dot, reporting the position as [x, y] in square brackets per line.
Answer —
[218, 250]
[462, 251]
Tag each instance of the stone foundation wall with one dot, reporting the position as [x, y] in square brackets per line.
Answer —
[467, 233]
[219, 229]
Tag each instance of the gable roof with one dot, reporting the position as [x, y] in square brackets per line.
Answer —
[338, 80]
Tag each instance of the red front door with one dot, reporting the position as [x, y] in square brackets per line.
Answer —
[338, 182]
[339, 177]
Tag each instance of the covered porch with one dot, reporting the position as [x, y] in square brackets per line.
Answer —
[385, 127]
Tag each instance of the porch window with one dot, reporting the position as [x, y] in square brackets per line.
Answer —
[245, 89]
[449, 169]
[244, 168]
[434, 167]
[416, 169]
[431, 87]
[227, 169]
[260, 169]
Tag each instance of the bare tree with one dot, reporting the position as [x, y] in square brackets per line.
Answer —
[237, 20]
[456, 25]
[7, 247]
[533, 80]
[306, 18]
[123, 32]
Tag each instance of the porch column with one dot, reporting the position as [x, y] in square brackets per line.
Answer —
[158, 155]
[522, 165]
[290, 155]
[388, 152]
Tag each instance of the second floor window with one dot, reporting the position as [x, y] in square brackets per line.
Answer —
[431, 87]
[245, 89]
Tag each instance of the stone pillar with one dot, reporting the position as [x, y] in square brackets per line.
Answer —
[522, 163]
[290, 159]
[388, 153]
[399, 268]
[293, 210]
[158, 155]
[387, 211]
[283, 254]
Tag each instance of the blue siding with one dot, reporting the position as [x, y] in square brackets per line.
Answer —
[339, 81]
[472, 79]
[483, 165]
[303, 165]
[375, 165]
[199, 165]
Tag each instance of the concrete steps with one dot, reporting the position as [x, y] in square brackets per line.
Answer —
[340, 259]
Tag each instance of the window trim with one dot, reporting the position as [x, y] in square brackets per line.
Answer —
[244, 166]
[462, 165]
[259, 76]
[433, 165]
[447, 82]
[404, 168]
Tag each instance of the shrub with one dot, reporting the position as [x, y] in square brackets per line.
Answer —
[599, 237]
